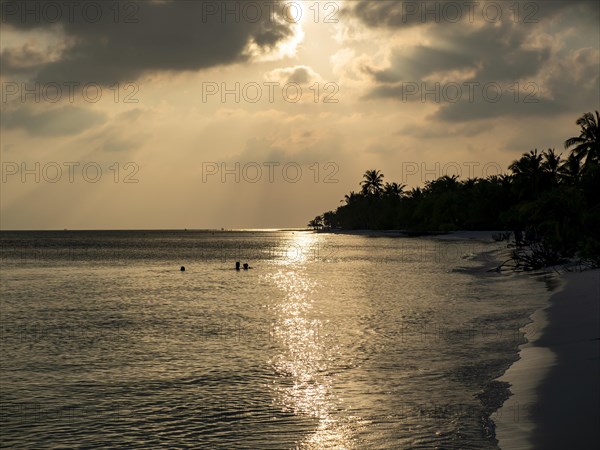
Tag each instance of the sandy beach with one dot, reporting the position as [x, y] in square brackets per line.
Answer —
[556, 402]
[461, 235]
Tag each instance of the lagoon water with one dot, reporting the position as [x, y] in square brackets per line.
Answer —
[329, 341]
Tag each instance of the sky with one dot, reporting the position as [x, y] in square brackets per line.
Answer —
[204, 114]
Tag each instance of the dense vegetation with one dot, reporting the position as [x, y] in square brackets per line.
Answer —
[550, 202]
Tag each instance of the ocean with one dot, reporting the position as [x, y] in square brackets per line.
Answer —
[328, 341]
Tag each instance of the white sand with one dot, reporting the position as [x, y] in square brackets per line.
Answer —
[556, 401]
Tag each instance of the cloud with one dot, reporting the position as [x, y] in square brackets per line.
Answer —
[495, 53]
[395, 14]
[27, 57]
[302, 75]
[441, 130]
[570, 85]
[65, 120]
[388, 13]
[536, 74]
[147, 37]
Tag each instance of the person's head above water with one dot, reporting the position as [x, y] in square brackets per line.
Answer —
[245, 266]
[237, 265]
[182, 268]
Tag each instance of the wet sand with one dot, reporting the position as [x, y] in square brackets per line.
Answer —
[555, 383]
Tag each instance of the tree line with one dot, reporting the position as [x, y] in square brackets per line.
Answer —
[549, 201]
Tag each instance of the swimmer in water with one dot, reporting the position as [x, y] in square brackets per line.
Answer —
[237, 265]
[182, 268]
[246, 267]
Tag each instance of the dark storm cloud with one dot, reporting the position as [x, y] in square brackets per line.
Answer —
[498, 106]
[493, 53]
[403, 14]
[146, 36]
[571, 87]
[420, 62]
[393, 13]
[506, 54]
[24, 59]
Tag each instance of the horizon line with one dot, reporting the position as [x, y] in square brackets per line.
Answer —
[161, 229]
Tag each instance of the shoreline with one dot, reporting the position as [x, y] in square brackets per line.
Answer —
[445, 235]
[555, 401]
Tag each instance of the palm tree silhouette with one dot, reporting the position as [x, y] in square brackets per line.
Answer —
[394, 190]
[329, 220]
[372, 183]
[528, 173]
[316, 223]
[570, 170]
[551, 166]
[351, 198]
[586, 146]
[530, 164]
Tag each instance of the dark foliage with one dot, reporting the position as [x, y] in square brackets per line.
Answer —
[550, 202]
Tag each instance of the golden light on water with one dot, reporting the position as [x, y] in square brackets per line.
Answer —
[301, 248]
[304, 365]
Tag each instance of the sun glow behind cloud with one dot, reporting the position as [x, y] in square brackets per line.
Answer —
[171, 131]
[284, 49]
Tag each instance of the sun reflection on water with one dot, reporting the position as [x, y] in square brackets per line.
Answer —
[300, 249]
[305, 363]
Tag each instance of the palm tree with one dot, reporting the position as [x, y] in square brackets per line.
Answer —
[316, 223]
[570, 170]
[329, 220]
[551, 165]
[586, 146]
[351, 198]
[394, 190]
[446, 183]
[372, 183]
[530, 164]
[415, 193]
[528, 174]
